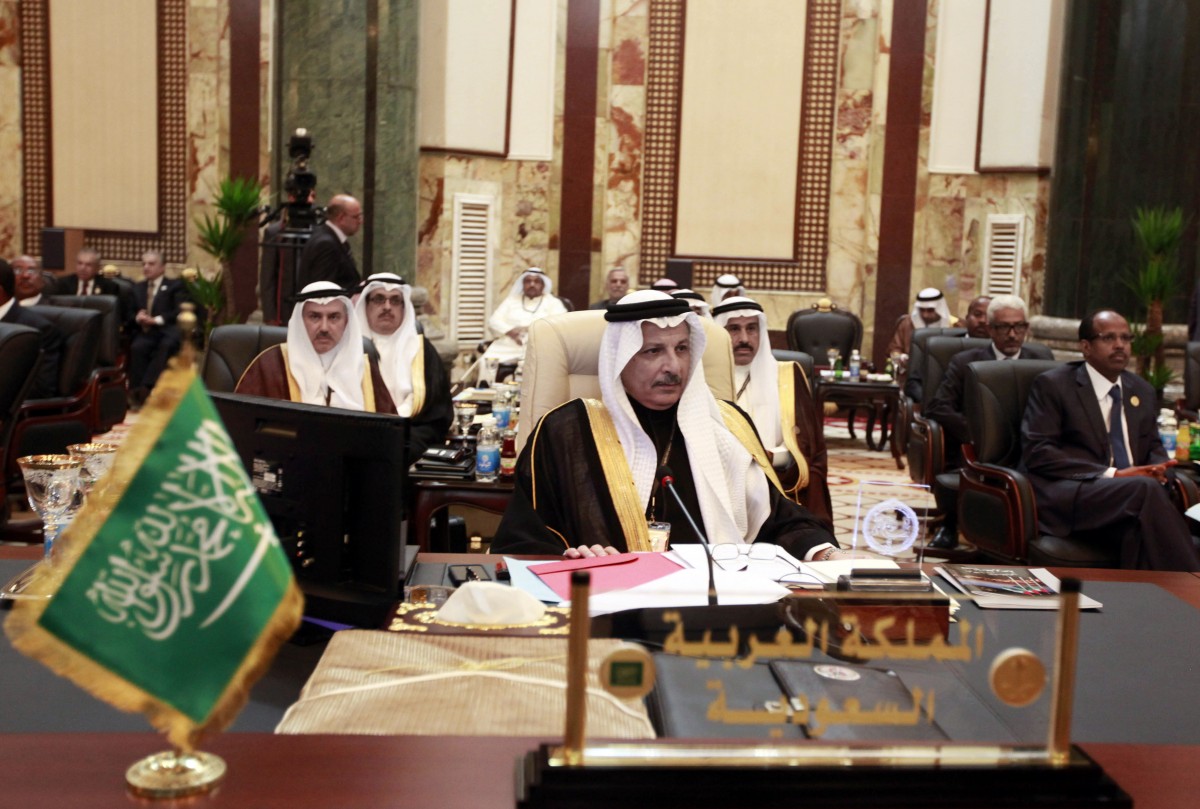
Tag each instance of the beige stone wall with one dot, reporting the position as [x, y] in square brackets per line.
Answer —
[207, 119]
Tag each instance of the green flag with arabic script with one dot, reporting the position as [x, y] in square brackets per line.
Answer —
[173, 593]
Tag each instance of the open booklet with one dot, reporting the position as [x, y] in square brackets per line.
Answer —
[1010, 588]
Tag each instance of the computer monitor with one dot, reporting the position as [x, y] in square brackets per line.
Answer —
[333, 483]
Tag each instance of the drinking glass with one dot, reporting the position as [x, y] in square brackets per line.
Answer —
[465, 414]
[52, 483]
[97, 458]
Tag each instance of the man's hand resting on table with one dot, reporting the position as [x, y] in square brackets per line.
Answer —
[587, 552]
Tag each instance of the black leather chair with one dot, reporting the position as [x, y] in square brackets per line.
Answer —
[232, 348]
[926, 445]
[805, 360]
[914, 384]
[108, 380]
[49, 425]
[20, 352]
[996, 507]
[815, 331]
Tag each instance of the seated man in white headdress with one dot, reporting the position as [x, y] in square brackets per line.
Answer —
[410, 365]
[695, 301]
[727, 286]
[929, 311]
[779, 399]
[323, 362]
[588, 481]
[529, 299]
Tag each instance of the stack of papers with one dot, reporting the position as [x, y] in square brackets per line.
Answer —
[678, 578]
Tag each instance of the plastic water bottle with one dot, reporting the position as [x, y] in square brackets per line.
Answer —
[487, 452]
[1168, 430]
[855, 365]
[502, 409]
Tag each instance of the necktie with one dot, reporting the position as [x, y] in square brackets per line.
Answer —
[87, 287]
[1116, 437]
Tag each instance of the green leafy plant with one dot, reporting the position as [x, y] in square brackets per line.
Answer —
[1158, 231]
[237, 201]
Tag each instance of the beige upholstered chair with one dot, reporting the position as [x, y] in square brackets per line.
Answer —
[562, 363]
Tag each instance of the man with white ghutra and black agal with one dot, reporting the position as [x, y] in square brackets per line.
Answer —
[589, 481]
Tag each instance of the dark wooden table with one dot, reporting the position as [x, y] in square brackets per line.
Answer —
[879, 399]
[265, 771]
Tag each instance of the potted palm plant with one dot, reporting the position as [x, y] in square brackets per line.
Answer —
[237, 203]
[1158, 231]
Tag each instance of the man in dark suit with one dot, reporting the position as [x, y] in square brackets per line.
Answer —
[87, 279]
[156, 338]
[1092, 452]
[327, 255]
[45, 382]
[1007, 324]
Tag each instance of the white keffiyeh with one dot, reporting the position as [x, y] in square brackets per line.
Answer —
[338, 373]
[760, 397]
[398, 349]
[731, 488]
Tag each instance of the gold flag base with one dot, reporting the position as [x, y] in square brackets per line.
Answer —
[172, 774]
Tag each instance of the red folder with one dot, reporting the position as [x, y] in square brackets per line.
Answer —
[608, 572]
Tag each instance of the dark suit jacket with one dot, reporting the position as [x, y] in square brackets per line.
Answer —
[172, 294]
[1065, 442]
[69, 285]
[946, 407]
[325, 258]
[45, 383]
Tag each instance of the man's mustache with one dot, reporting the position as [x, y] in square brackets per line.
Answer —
[740, 346]
[667, 379]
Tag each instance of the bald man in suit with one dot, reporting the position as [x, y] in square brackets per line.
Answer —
[1092, 453]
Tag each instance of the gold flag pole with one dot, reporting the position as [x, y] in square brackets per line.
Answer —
[577, 663]
[1063, 688]
[187, 325]
[177, 773]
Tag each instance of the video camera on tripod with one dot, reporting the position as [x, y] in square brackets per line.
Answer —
[286, 234]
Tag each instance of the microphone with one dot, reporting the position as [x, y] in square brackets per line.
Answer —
[667, 478]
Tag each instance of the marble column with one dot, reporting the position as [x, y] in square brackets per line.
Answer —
[1126, 138]
[363, 120]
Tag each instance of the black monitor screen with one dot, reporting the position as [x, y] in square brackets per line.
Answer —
[333, 483]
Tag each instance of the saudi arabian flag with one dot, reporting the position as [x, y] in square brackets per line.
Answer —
[173, 593]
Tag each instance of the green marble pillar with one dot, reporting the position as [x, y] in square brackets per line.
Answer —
[365, 141]
[1128, 117]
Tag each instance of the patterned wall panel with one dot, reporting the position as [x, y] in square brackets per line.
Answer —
[37, 132]
[806, 270]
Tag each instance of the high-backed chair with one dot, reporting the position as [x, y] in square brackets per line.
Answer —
[815, 331]
[562, 362]
[926, 445]
[997, 511]
[107, 383]
[232, 348]
[20, 351]
[914, 383]
[49, 425]
[910, 397]
[804, 359]
[928, 453]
